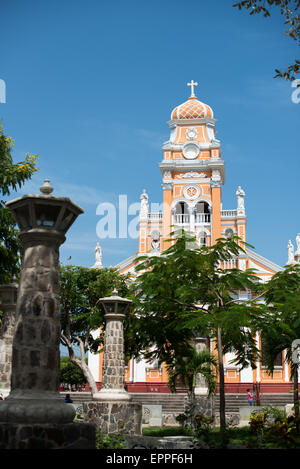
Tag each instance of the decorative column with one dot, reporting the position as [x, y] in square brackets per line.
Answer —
[113, 368]
[34, 412]
[216, 207]
[112, 409]
[192, 219]
[167, 213]
[8, 302]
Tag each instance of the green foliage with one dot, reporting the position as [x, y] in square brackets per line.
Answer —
[181, 418]
[186, 368]
[184, 291]
[195, 423]
[164, 431]
[241, 436]
[80, 290]
[282, 429]
[273, 413]
[70, 373]
[12, 177]
[289, 10]
[280, 323]
[274, 428]
[202, 426]
[110, 441]
[82, 313]
[257, 422]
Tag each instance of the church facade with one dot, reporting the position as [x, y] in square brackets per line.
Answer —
[193, 173]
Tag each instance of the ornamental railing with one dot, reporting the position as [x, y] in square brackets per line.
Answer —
[155, 216]
[228, 213]
[202, 218]
[181, 218]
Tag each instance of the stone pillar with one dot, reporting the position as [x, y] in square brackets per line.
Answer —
[8, 297]
[112, 409]
[34, 415]
[113, 360]
[201, 388]
[34, 395]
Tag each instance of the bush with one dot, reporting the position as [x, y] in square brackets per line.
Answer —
[257, 422]
[110, 441]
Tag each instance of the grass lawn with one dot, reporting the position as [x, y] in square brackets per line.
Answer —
[163, 431]
[240, 436]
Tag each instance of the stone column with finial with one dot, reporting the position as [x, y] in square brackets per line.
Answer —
[34, 414]
[112, 409]
[113, 357]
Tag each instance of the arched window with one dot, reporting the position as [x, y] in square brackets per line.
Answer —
[182, 213]
[202, 212]
[181, 208]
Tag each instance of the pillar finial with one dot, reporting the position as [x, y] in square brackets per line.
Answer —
[46, 188]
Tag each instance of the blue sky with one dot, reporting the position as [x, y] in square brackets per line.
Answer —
[90, 87]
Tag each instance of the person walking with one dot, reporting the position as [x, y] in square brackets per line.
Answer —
[250, 397]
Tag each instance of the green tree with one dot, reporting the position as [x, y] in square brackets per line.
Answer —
[81, 312]
[186, 368]
[289, 10]
[12, 177]
[70, 373]
[185, 291]
[280, 325]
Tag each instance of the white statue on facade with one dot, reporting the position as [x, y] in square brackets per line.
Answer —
[155, 241]
[240, 194]
[98, 257]
[144, 205]
[298, 245]
[291, 255]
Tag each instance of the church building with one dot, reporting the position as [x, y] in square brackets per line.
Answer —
[193, 173]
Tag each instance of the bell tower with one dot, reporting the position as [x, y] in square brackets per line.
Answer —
[193, 172]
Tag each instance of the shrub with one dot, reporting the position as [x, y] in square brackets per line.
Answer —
[202, 425]
[257, 422]
[181, 418]
[110, 441]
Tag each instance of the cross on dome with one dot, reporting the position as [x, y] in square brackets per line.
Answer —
[192, 84]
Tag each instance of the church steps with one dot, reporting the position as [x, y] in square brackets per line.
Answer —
[175, 403]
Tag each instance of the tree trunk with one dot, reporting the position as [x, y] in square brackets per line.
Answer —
[221, 385]
[80, 362]
[87, 374]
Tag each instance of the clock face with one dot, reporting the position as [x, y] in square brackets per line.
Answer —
[190, 151]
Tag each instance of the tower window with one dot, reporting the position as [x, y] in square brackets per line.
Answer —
[182, 213]
[202, 212]
[181, 208]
